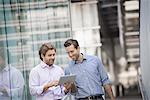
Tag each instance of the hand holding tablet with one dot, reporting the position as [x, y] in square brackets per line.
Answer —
[66, 79]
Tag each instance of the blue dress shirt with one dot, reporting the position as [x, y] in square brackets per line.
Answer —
[90, 76]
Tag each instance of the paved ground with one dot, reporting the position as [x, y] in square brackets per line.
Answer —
[129, 98]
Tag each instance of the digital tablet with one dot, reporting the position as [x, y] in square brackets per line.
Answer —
[67, 78]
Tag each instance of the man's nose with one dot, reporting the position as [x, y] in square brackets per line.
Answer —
[53, 57]
[70, 54]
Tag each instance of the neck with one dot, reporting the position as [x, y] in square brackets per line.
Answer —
[80, 59]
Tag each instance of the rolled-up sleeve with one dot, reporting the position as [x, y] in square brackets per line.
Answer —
[103, 74]
[34, 85]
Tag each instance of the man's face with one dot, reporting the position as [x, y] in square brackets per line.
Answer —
[2, 63]
[49, 57]
[73, 53]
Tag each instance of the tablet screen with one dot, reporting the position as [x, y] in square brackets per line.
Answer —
[67, 78]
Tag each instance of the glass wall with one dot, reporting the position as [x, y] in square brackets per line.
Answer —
[24, 26]
[85, 26]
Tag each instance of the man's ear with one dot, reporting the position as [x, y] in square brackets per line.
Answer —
[42, 55]
[78, 48]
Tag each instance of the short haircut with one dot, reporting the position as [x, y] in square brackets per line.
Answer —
[71, 42]
[44, 48]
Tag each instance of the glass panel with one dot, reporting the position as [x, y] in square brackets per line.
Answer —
[11, 77]
[84, 15]
[25, 25]
[85, 21]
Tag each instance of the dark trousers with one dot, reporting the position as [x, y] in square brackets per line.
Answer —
[91, 99]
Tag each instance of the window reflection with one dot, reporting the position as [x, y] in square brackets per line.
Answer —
[11, 80]
[24, 26]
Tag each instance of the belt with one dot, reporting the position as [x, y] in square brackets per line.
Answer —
[93, 97]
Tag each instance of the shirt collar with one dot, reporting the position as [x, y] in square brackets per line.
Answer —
[84, 58]
[44, 65]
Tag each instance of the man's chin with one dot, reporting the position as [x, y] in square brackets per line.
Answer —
[50, 64]
[73, 59]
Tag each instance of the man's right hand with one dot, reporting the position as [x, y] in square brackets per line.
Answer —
[54, 83]
[50, 84]
[70, 86]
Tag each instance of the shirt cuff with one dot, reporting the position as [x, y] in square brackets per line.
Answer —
[40, 90]
[106, 81]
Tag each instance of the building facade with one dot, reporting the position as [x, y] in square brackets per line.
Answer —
[26, 24]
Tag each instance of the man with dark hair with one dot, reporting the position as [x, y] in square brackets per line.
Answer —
[11, 80]
[43, 79]
[90, 73]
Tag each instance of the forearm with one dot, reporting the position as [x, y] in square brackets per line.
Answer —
[109, 91]
[47, 86]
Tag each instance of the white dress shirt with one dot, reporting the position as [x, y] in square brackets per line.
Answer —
[12, 80]
[40, 76]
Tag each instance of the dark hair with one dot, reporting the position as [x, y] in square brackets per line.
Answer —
[44, 48]
[71, 42]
